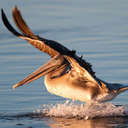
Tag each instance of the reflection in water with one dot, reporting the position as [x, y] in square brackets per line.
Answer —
[94, 123]
[32, 119]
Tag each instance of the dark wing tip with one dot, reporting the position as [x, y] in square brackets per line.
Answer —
[2, 10]
[2, 13]
[7, 24]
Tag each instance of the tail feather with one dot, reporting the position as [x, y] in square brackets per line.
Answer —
[123, 89]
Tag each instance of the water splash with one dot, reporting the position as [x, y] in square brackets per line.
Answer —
[82, 111]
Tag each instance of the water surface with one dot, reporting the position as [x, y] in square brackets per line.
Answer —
[98, 30]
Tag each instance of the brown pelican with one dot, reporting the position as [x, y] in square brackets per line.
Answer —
[66, 74]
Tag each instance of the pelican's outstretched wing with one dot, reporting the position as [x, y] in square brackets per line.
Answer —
[50, 47]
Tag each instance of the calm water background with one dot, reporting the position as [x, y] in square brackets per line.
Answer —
[98, 30]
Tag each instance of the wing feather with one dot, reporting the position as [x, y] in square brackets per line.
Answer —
[21, 24]
[82, 72]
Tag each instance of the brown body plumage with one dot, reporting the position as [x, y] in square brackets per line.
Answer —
[66, 74]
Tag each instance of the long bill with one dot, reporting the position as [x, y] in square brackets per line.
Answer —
[50, 66]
